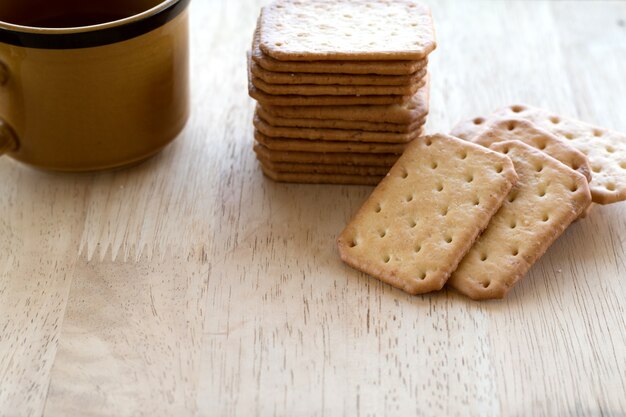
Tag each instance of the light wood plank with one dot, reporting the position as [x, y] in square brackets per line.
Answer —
[40, 215]
[197, 287]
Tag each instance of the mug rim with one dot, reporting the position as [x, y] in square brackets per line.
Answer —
[93, 35]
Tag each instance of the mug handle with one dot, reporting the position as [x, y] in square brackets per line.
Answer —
[8, 138]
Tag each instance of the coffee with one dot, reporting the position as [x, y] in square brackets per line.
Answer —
[73, 19]
[70, 13]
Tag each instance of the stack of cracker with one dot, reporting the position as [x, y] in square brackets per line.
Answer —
[342, 87]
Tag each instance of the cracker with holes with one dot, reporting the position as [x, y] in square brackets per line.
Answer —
[306, 145]
[470, 129]
[338, 124]
[333, 134]
[605, 149]
[425, 215]
[324, 168]
[325, 158]
[547, 198]
[316, 178]
[337, 90]
[506, 129]
[326, 100]
[415, 109]
[386, 67]
[333, 85]
[346, 30]
[295, 78]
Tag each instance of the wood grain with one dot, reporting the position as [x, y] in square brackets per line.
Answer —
[192, 286]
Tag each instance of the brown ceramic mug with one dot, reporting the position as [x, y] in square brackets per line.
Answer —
[92, 84]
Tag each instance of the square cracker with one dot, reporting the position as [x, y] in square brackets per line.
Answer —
[334, 67]
[338, 124]
[425, 215]
[547, 198]
[287, 167]
[505, 129]
[299, 30]
[338, 90]
[300, 100]
[306, 145]
[605, 149]
[308, 178]
[336, 158]
[416, 108]
[294, 78]
[333, 134]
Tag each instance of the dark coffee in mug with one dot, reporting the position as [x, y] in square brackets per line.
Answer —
[74, 19]
[70, 13]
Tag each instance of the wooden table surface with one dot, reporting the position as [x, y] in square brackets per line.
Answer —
[192, 286]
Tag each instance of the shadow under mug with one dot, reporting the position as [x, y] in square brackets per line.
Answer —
[91, 85]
